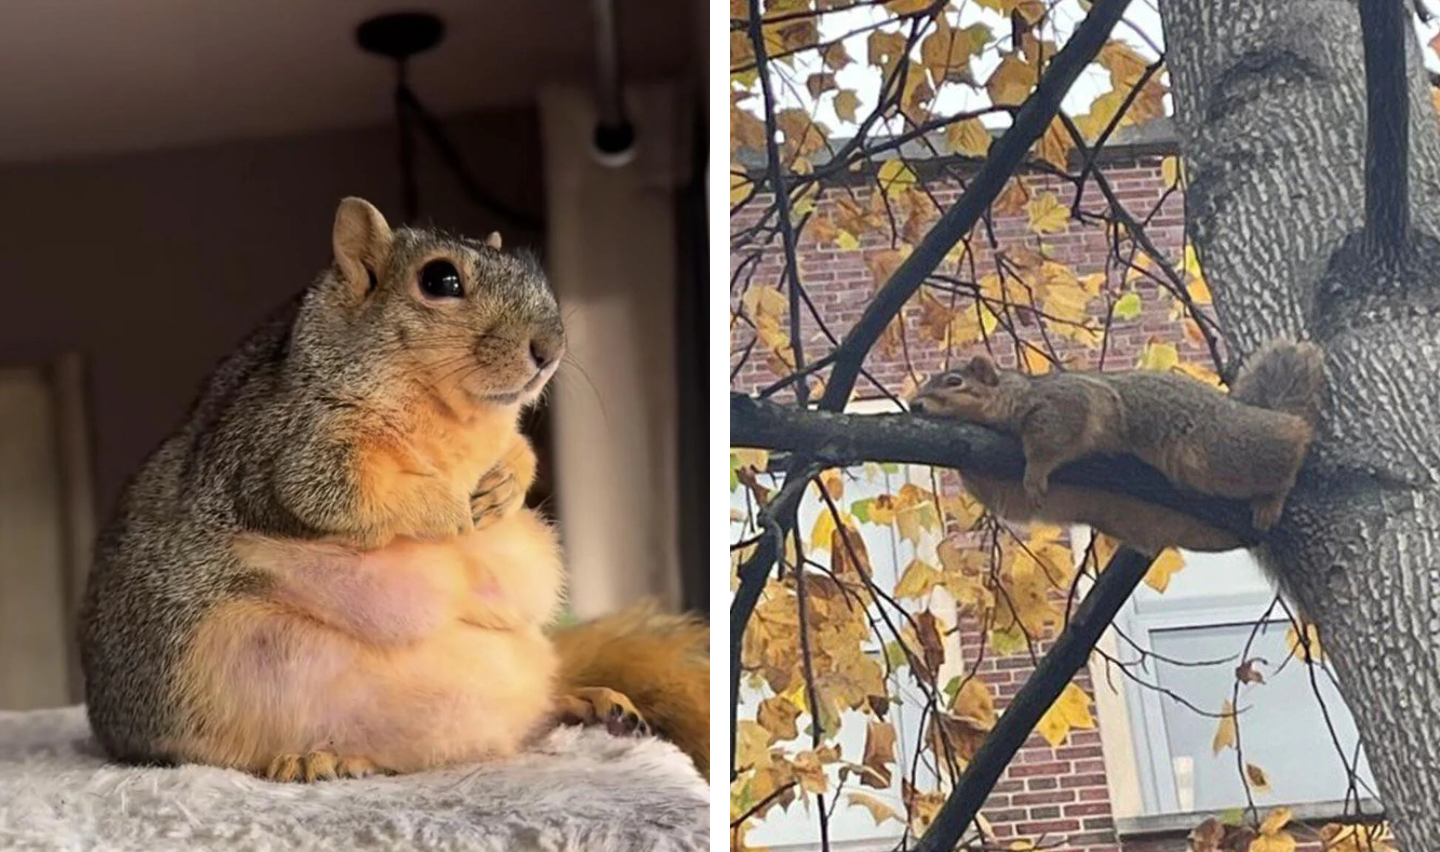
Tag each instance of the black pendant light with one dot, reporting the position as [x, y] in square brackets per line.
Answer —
[398, 37]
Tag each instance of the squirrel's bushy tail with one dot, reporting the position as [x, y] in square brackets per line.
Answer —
[661, 662]
[1284, 376]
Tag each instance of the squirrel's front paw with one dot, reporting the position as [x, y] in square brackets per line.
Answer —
[1265, 512]
[320, 765]
[497, 495]
[597, 705]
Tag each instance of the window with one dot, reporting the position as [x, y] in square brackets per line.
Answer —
[1200, 626]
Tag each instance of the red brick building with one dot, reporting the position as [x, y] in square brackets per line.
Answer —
[1148, 772]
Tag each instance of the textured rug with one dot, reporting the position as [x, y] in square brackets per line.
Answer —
[576, 790]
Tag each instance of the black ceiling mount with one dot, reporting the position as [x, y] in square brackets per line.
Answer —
[400, 35]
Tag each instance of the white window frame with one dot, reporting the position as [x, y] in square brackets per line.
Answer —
[1137, 755]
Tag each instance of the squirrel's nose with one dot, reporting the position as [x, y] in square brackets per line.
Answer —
[546, 348]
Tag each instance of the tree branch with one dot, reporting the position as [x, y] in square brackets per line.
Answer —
[1005, 156]
[1384, 31]
[1055, 670]
[842, 440]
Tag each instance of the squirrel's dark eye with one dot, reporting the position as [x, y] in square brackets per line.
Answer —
[440, 280]
[953, 381]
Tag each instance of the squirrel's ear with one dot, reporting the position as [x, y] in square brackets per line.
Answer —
[362, 243]
[983, 370]
[493, 241]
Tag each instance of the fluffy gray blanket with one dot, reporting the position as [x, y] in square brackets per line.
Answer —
[576, 790]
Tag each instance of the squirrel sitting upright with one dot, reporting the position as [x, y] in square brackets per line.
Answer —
[328, 571]
[1247, 445]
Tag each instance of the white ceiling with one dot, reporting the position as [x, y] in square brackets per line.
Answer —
[97, 76]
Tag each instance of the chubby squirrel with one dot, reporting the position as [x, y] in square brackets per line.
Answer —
[328, 570]
[1247, 445]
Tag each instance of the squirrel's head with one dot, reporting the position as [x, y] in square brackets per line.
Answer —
[473, 324]
[966, 393]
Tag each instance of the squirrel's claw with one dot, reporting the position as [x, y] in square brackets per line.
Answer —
[601, 706]
[495, 497]
[320, 765]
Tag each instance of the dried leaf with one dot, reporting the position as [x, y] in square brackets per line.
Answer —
[879, 754]
[879, 811]
[1247, 673]
[818, 84]
[1226, 734]
[1259, 781]
[846, 102]
[777, 716]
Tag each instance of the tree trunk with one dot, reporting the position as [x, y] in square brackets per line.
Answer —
[1270, 103]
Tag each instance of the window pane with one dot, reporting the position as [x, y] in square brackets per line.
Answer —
[1282, 728]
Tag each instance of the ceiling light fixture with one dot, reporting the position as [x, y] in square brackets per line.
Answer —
[398, 37]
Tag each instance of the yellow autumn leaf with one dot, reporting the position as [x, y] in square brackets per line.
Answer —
[1102, 548]
[1037, 363]
[1053, 729]
[1046, 214]
[968, 137]
[895, 177]
[1070, 711]
[1158, 356]
[1281, 841]
[846, 240]
[752, 745]
[1312, 637]
[747, 457]
[911, 521]
[879, 811]
[846, 102]
[1163, 568]
[1170, 171]
[1010, 82]
[1074, 705]
[1199, 372]
[916, 581]
[963, 508]
[824, 528]
[1277, 819]
[762, 301]
[740, 184]
[974, 702]
[1054, 145]
[1226, 734]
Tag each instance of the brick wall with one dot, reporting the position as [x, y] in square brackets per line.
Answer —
[1055, 797]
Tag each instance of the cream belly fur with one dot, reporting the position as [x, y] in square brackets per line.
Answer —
[417, 655]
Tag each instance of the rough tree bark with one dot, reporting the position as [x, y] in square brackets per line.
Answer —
[1270, 101]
